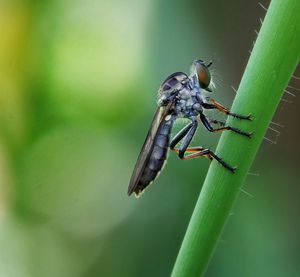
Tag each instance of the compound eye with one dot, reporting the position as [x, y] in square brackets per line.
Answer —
[203, 75]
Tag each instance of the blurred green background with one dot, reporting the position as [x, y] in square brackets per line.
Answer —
[78, 84]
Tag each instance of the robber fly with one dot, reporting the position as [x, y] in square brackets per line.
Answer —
[180, 96]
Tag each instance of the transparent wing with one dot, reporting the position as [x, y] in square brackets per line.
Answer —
[147, 148]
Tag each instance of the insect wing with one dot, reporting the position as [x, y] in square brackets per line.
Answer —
[147, 148]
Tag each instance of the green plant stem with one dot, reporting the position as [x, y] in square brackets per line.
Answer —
[273, 60]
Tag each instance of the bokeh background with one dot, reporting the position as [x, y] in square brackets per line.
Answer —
[78, 83]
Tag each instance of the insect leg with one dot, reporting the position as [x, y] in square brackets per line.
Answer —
[211, 155]
[187, 133]
[193, 150]
[180, 135]
[187, 139]
[221, 108]
[214, 121]
[208, 126]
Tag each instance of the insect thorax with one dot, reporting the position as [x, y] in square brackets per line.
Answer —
[188, 94]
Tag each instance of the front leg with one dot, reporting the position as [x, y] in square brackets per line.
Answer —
[208, 126]
[215, 105]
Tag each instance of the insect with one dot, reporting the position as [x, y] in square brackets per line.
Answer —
[180, 96]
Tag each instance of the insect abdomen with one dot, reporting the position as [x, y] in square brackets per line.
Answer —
[158, 155]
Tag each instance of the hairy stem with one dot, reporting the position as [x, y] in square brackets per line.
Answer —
[273, 60]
